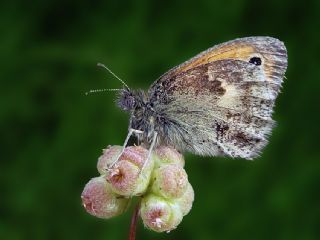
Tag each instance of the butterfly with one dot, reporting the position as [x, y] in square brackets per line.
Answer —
[218, 103]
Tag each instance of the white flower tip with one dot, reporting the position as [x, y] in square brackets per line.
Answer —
[157, 223]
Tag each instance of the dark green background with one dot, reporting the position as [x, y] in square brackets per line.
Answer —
[52, 134]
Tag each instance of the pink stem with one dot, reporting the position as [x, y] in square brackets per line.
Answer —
[134, 220]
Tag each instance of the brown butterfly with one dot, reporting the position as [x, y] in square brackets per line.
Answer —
[219, 103]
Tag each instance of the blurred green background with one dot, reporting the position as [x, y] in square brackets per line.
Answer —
[52, 134]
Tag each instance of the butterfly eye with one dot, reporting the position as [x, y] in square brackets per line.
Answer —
[129, 102]
[126, 100]
[255, 60]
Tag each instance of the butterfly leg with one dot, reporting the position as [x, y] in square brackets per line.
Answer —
[131, 131]
[150, 150]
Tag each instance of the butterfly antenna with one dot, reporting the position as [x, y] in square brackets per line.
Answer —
[102, 90]
[105, 67]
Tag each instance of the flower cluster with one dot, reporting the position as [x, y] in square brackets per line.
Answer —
[160, 181]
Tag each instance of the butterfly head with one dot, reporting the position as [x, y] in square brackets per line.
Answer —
[129, 100]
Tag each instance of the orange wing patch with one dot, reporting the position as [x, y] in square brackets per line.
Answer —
[237, 52]
[272, 52]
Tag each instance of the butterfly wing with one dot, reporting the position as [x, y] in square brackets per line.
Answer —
[220, 102]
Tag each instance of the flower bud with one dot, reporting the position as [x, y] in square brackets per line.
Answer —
[110, 154]
[186, 200]
[158, 214]
[99, 200]
[168, 155]
[126, 177]
[123, 178]
[170, 181]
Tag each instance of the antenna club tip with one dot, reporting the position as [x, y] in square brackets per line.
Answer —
[105, 67]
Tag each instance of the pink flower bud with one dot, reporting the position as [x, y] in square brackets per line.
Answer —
[135, 154]
[126, 176]
[123, 177]
[170, 181]
[158, 214]
[100, 201]
[186, 200]
[109, 155]
[168, 155]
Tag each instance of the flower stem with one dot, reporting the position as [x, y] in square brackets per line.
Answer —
[134, 220]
